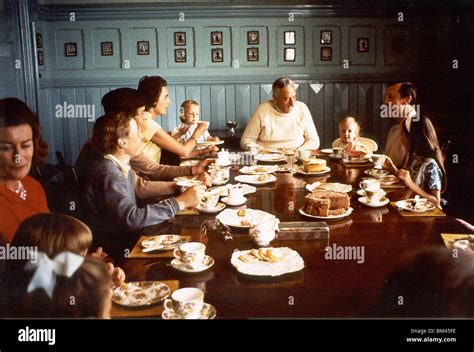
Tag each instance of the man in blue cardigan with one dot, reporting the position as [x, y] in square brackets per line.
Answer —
[110, 203]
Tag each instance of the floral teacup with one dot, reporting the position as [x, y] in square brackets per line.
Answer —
[264, 232]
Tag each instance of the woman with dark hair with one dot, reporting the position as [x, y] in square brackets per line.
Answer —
[425, 173]
[21, 146]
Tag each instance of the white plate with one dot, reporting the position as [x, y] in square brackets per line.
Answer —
[388, 180]
[207, 312]
[216, 209]
[226, 201]
[162, 242]
[207, 262]
[326, 151]
[229, 217]
[208, 143]
[338, 187]
[224, 190]
[383, 201]
[300, 170]
[140, 293]
[292, 262]
[253, 179]
[378, 173]
[421, 207]
[348, 212]
[270, 157]
[356, 161]
[259, 169]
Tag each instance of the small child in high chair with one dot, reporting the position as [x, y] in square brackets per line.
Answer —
[349, 130]
[189, 116]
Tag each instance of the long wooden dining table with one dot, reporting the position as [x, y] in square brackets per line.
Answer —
[325, 288]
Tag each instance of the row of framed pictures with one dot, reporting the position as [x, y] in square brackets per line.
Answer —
[107, 48]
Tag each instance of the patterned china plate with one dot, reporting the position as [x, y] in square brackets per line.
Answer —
[163, 242]
[300, 170]
[330, 217]
[270, 157]
[204, 209]
[420, 206]
[208, 312]
[179, 265]
[259, 169]
[256, 179]
[140, 293]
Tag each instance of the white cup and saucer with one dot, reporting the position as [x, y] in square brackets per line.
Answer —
[223, 158]
[191, 257]
[235, 197]
[188, 303]
[374, 197]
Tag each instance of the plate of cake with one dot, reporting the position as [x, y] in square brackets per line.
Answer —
[259, 169]
[243, 218]
[267, 261]
[322, 204]
[256, 179]
[312, 166]
[330, 186]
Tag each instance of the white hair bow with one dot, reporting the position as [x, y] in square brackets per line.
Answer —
[64, 264]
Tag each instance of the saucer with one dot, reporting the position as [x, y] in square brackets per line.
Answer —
[226, 201]
[208, 311]
[215, 209]
[179, 265]
[221, 181]
[383, 201]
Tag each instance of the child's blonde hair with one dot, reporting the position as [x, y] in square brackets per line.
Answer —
[184, 106]
[349, 119]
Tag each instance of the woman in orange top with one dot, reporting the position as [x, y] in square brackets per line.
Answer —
[20, 145]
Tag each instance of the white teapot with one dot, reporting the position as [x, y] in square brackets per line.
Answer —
[264, 232]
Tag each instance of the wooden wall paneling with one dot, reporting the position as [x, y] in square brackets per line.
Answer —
[242, 104]
[218, 109]
[341, 104]
[230, 106]
[206, 113]
[316, 104]
[57, 125]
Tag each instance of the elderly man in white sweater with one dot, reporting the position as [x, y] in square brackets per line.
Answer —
[281, 122]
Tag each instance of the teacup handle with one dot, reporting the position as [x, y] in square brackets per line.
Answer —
[177, 253]
[168, 304]
[361, 185]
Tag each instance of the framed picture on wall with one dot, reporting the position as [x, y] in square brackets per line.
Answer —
[40, 58]
[216, 38]
[217, 55]
[326, 54]
[290, 38]
[326, 37]
[362, 45]
[252, 54]
[143, 47]
[290, 54]
[253, 38]
[180, 38]
[179, 55]
[39, 40]
[106, 48]
[70, 49]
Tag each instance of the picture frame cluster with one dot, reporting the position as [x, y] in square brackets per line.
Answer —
[253, 39]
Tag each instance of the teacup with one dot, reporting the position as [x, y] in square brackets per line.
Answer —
[264, 232]
[304, 153]
[373, 194]
[378, 160]
[191, 253]
[236, 195]
[370, 183]
[210, 200]
[186, 302]
[223, 157]
[337, 151]
[185, 184]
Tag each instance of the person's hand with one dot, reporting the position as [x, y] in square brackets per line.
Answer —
[183, 129]
[117, 274]
[192, 196]
[388, 164]
[99, 253]
[200, 129]
[205, 179]
[405, 177]
[202, 166]
[210, 150]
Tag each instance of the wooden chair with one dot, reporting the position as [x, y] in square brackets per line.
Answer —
[366, 142]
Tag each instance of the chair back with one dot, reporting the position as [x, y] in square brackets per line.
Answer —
[366, 142]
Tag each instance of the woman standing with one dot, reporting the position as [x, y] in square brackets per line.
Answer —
[20, 145]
